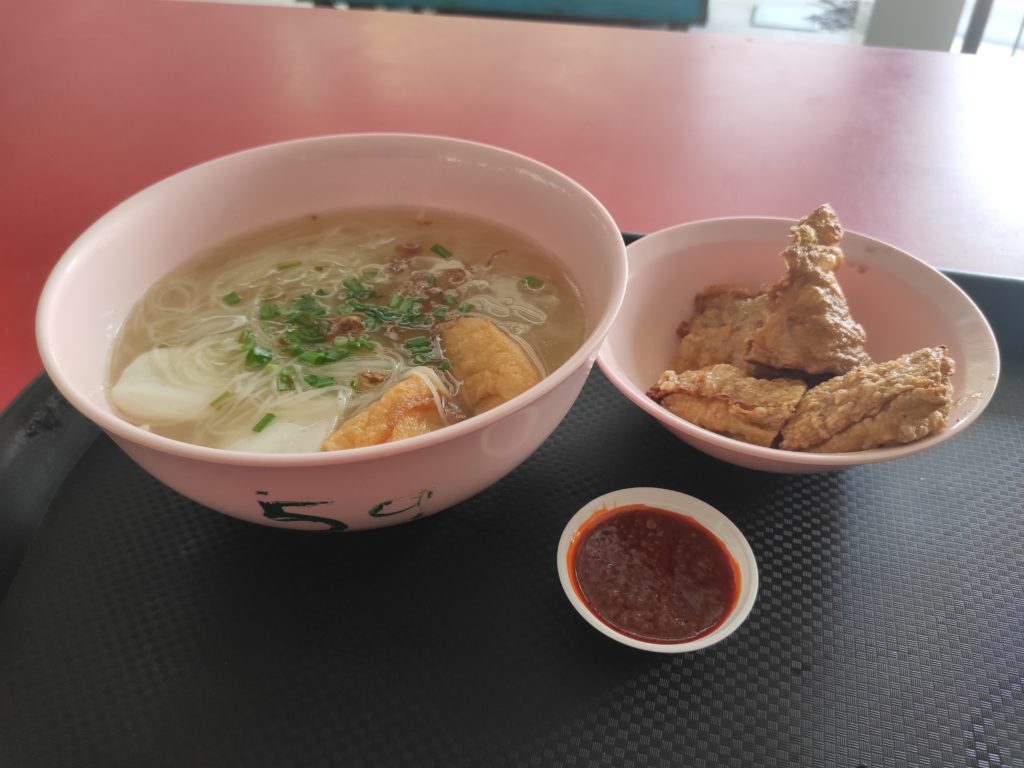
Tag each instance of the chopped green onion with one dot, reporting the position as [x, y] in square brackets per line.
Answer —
[441, 251]
[352, 345]
[417, 341]
[232, 298]
[288, 264]
[440, 312]
[286, 379]
[533, 282]
[321, 292]
[369, 273]
[318, 382]
[219, 400]
[257, 357]
[268, 311]
[466, 307]
[419, 359]
[396, 301]
[334, 355]
[245, 337]
[313, 356]
[262, 423]
[442, 366]
[431, 279]
[354, 289]
[406, 306]
[449, 299]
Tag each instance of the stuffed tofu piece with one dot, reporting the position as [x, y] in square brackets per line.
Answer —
[413, 406]
[491, 365]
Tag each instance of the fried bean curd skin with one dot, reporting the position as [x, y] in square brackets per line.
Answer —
[491, 365]
[875, 405]
[721, 398]
[413, 406]
[724, 320]
[808, 326]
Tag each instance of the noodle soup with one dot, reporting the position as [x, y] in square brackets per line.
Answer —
[342, 330]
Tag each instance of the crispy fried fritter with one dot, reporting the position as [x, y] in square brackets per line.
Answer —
[808, 326]
[721, 398]
[875, 405]
[725, 318]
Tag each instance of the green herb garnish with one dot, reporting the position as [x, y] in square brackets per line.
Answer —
[286, 379]
[403, 313]
[257, 356]
[354, 345]
[533, 283]
[441, 251]
[232, 298]
[260, 425]
[354, 289]
[318, 382]
[268, 311]
[218, 401]
[313, 357]
[417, 342]
[466, 307]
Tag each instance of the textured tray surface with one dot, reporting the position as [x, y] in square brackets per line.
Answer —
[144, 630]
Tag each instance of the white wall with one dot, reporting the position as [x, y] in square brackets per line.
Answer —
[923, 24]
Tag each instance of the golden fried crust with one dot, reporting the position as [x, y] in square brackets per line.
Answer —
[808, 326]
[721, 398]
[876, 405]
[492, 367]
[407, 409]
[724, 320]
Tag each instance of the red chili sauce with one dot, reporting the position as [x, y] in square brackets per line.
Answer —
[653, 574]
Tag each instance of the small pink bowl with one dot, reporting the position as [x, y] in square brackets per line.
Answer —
[903, 304]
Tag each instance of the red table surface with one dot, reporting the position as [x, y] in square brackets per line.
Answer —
[99, 99]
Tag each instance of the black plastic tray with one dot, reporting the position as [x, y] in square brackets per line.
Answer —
[141, 629]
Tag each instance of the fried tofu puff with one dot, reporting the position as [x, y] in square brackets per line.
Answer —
[491, 365]
[725, 400]
[413, 406]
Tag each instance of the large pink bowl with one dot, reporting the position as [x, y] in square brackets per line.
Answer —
[112, 264]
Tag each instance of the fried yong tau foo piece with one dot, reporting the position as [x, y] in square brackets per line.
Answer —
[874, 406]
[413, 406]
[721, 398]
[808, 326]
[491, 365]
[723, 323]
